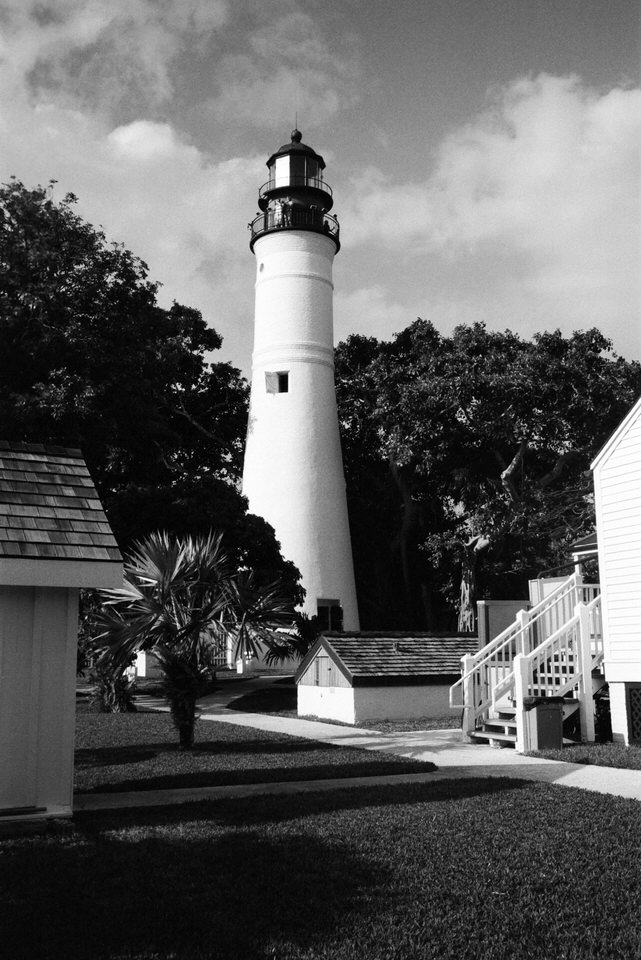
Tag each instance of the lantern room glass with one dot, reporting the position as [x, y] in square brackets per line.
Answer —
[296, 170]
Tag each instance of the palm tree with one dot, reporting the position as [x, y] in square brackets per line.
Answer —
[182, 599]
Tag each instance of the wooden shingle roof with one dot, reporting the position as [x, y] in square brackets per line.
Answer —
[49, 508]
[377, 659]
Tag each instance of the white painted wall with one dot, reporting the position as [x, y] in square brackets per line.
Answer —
[618, 713]
[401, 703]
[293, 472]
[331, 703]
[38, 637]
[617, 487]
[356, 704]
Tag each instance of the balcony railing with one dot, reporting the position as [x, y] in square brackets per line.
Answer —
[294, 218]
[286, 180]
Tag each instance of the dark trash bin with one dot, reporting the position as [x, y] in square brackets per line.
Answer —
[544, 722]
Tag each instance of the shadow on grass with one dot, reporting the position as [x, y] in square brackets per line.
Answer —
[217, 896]
[266, 744]
[220, 778]
[239, 812]
[222, 879]
[279, 697]
[219, 762]
[261, 746]
[118, 756]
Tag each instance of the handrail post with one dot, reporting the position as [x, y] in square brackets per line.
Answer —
[522, 618]
[520, 692]
[468, 695]
[586, 710]
[578, 587]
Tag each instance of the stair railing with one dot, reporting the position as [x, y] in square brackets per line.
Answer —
[488, 667]
[561, 663]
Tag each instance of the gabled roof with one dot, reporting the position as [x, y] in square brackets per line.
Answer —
[49, 508]
[381, 659]
[620, 431]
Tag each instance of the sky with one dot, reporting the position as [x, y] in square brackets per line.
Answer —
[485, 155]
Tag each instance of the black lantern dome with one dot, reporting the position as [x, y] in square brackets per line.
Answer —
[296, 196]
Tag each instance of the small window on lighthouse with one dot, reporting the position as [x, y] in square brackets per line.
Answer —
[283, 382]
[277, 382]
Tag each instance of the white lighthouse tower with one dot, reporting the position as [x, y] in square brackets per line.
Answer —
[293, 475]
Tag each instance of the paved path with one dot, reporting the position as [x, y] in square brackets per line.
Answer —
[454, 758]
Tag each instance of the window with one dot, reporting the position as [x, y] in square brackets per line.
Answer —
[277, 382]
[330, 614]
[297, 170]
[283, 382]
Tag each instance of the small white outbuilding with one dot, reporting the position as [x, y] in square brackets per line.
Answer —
[617, 490]
[54, 539]
[352, 677]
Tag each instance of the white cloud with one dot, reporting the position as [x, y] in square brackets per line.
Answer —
[92, 51]
[144, 140]
[540, 196]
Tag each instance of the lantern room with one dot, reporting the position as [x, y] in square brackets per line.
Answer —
[296, 196]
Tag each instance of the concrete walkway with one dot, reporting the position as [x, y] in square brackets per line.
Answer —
[454, 758]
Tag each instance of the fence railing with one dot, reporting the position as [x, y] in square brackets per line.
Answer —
[561, 664]
[294, 218]
[488, 669]
[493, 661]
[286, 180]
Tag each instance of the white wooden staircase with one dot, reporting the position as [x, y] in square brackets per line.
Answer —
[553, 650]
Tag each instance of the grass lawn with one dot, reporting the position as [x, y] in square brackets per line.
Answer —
[471, 869]
[279, 699]
[139, 751]
[600, 754]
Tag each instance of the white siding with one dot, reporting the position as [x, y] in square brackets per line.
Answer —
[617, 483]
[38, 631]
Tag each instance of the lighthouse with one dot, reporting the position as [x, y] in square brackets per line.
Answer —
[293, 473]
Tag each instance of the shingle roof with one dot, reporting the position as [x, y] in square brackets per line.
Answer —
[49, 508]
[393, 658]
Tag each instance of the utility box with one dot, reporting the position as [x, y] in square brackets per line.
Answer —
[544, 722]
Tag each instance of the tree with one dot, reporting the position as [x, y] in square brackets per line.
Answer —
[183, 599]
[87, 355]
[487, 440]
[89, 359]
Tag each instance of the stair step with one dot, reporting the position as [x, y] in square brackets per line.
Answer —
[505, 712]
[507, 726]
[504, 739]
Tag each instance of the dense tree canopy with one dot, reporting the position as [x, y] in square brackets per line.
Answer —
[472, 452]
[89, 358]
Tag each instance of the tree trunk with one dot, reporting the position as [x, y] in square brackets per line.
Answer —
[186, 733]
[183, 713]
[467, 603]
[466, 614]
